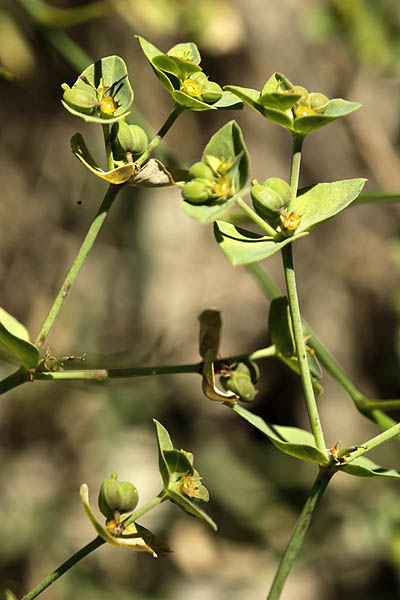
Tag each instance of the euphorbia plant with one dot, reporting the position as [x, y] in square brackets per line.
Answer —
[210, 188]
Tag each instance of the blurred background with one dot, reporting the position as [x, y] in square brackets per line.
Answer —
[153, 270]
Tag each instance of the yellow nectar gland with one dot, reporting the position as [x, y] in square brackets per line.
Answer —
[222, 186]
[108, 105]
[291, 221]
[304, 111]
[192, 88]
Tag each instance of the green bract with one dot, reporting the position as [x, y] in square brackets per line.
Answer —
[102, 93]
[133, 536]
[182, 483]
[292, 106]
[312, 206]
[219, 178]
[14, 339]
[180, 73]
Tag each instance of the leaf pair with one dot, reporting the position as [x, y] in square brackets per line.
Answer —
[313, 205]
[292, 106]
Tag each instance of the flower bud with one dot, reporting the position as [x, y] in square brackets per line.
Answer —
[197, 191]
[201, 170]
[80, 100]
[115, 496]
[212, 92]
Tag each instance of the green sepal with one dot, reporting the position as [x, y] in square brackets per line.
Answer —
[336, 108]
[15, 338]
[364, 467]
[186, 51]
[272, 112]
[321, 201]
[227, 144]
[181, 69]
[277, 101]
[290, 440]
[242, 247]
[104, 72]
[174, 465]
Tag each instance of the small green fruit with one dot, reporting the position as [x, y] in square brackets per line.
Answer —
[270, 197]
[115, 496]
[80, 100]
[201, 170]
[197, 191]
[110, 496]
[121, 139]
[130, 497]
[212, 92]
[140, 141]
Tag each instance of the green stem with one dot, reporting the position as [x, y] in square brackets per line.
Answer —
[301, 348]
[300, 530]
[93, 545]
[360, 400]
[378, 197]
[108, 147]
[77, 264]
[295, 169]
[173, 115]
[374, 442]
[383, 404]
[104, 374]
[256, 218]
[139, 512]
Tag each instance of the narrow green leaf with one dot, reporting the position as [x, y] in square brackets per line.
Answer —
[242, 247]
[280, 326]
[164, 444]
[290, 440]
[14, 336]
[191, 508]
[324, 200]
[364, 467]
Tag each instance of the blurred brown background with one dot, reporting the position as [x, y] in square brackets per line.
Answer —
[153, 270]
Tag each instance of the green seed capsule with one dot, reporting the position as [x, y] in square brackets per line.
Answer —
[197, 191]
[80, 100]
[212, 92]
[130, 497]
[121, 139]
[110, 497]
[201, 170]
[270, 198]
[140, 141]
